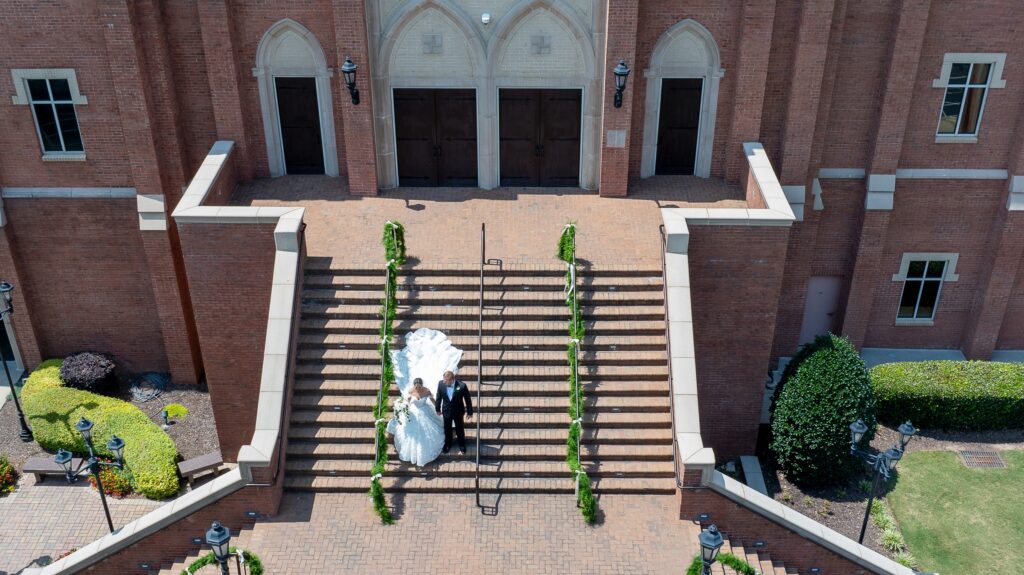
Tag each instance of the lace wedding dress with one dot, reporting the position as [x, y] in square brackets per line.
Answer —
[418, 430]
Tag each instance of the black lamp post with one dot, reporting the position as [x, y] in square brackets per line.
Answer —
[92, 465]
[7, 291]
[348, 72]
[883, 464]
[710, 543]
[218, 538]
[621, 72]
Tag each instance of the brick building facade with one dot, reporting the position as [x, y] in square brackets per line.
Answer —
[893, 126]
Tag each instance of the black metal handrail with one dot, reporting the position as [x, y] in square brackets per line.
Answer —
[480, 353]
[385, 348]
[576, 355]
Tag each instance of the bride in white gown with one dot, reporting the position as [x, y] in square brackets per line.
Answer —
[417, 428]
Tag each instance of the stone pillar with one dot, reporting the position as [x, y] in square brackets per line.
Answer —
[758, 21]
[135, 105]
[223, 78]
[360, 149]
[615, 128]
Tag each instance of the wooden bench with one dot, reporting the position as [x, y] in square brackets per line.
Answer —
[43, 466]
[192, 467]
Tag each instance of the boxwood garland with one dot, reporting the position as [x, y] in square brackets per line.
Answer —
[585, 495]
[252, 562]
[728, 559]
[394, 252]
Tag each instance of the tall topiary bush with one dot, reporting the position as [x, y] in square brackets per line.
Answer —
[88, 371]
[811, 423]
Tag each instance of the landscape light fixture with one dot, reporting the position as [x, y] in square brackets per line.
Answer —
[218, 538]
[348, 73]
[7, 291]
[621, 72]
[710, 543]
[92, 465]
[883, 464]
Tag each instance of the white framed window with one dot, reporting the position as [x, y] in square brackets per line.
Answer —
[923, 275]
[967, 79]
[52, 95]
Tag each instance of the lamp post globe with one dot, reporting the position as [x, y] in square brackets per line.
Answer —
[7, 291]
[907, 432]
[116, 448]
[710, 543]
[84, 426]
[218, 537]
[857, 430]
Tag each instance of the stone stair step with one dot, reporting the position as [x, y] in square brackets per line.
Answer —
[472, 297]
[497, 373]
[490, 451]
[391, 484]
[324, 265]
[497, 327]
[553, 311]
[552, 388]
[491, 419]
[507, 357]
[495, 401]
[508, 436]
[491, 283]
[465, 466]
[494, 342]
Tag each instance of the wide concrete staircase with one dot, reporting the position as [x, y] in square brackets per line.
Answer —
[525, 394]
[755, 557]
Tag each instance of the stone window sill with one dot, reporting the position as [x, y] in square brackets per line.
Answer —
[914, 322]
[956, 139]
[64, 156]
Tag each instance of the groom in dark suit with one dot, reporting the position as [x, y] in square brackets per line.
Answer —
[453, 403]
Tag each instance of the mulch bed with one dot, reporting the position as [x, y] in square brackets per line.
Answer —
[842, 507]
[194, 435]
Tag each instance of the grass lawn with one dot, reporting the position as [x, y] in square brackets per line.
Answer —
[959, 520]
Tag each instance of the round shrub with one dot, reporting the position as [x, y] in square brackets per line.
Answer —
[88, 371]
[954, 395]
[811, 423]
[53, 409]
[8, 476]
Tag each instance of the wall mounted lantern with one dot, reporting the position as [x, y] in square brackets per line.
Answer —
[621, 72]
[348, 72]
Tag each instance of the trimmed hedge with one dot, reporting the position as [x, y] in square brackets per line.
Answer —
[811, 423]
[806, 350]
[53, 409]
[954, 395]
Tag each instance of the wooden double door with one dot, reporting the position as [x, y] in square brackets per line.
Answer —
[435, 137]
[540, 137]
[678, 125]
[299, 115]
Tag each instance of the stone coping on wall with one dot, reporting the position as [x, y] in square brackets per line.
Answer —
[273, 385]
[691, 453]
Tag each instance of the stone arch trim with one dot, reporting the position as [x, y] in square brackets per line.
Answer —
[265, 72]
[709, 70]
[562, 10]
[409, 13]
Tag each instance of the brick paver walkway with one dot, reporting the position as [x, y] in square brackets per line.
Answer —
[447, 534]
[523, 224]
[39, 522]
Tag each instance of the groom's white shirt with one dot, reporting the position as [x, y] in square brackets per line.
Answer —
[449, 391]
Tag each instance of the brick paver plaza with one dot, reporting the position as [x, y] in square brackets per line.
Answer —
[535, 534]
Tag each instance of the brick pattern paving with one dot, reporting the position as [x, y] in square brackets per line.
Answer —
[523, 224]
[439, 533]
[42, 521]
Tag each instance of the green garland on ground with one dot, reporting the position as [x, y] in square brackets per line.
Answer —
[249, 558]
[585, 498]
[394, 252]
[728, 559]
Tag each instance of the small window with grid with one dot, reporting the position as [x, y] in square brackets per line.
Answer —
[964, 101]
[54, 113]
[921, 289]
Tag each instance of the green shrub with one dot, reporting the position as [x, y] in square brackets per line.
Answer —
[176, 411]
[806, 350]
[116, 482]
[251, 561]
[8, 476]
[737, 564]
[88, 371]
[53, 409]
[811, 423]
[955, 395]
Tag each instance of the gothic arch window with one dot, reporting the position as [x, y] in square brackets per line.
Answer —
[687, 51]
[289, 50]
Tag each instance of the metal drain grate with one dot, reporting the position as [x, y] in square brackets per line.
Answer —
[980, 459]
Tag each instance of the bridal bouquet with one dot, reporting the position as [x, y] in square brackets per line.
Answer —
[401, 409]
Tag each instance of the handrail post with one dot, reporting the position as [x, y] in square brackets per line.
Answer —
[480, 353]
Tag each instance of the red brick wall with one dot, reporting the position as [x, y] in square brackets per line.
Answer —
[174, 542]
[85, 279]
[621, 46]
[742, 526]
[1011, 335]
[230, 272]
[735, 278]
